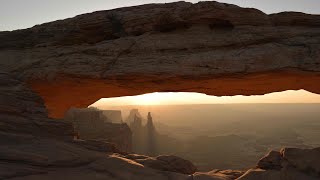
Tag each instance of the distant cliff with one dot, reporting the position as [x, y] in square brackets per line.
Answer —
[94, 124]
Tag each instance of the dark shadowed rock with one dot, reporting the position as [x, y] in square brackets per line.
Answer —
[218, 175]
[165, 163]
[98, 146]
[288, 164]
[284, 174]
[206, 176]
[305, 160]
[271, 161]
[23, 111]
[259, 174]
[180, 165]
[295, 19]
[233, 174]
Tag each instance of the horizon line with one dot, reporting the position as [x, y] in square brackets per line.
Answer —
[313, 103]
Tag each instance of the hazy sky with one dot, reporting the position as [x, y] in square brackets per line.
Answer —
[289, 96]
[18, 14]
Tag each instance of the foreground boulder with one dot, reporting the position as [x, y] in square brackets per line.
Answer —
[165, 163]
[96, 145]
[218, 175]
[305, 160]
[271, 161]
[288, 164]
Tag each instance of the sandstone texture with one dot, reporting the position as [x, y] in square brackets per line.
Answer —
[165, 163]
[288, 164]
[208, 47]
[218, 175]
[23, 111]
[271, 161]
[33, 146]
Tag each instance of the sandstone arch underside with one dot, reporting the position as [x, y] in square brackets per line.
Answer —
[208, 47]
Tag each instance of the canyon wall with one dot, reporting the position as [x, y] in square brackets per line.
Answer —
[93, 124]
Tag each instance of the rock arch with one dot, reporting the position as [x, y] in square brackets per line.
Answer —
[65, 92]
[224, 50]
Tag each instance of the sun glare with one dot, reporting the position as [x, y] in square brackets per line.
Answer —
[170, 98]
[150, 99]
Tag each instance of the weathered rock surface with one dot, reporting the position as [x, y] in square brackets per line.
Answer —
[208, 47]
[218, 175]
[271, 161]
[96, 145]
[165, 163]
[255, 174]
[288, 164]
[23, 111]
[305, 160]
[33, 146]
[45, 150]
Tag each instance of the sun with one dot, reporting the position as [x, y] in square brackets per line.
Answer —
[149, 99]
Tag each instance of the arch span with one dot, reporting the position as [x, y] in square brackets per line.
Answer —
[207, 47]
[65, 92]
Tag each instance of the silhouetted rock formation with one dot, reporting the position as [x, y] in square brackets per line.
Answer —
[114, 116]
[94, 124]
[138, 136]
[151, 137]
[136, 124]
[165, 163]
[271, 161]
[144, 137]
[133, 115]
[289, 163]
